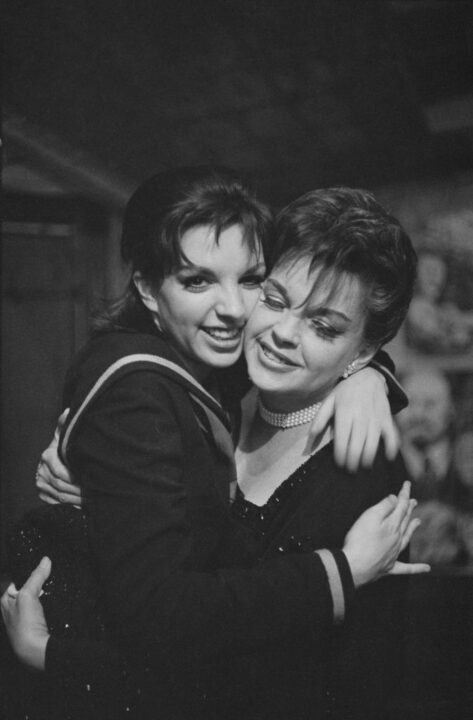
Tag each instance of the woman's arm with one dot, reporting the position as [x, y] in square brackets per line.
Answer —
[141, 475]
[73, 661]
[360, 409]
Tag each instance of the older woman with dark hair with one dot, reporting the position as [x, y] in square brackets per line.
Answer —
[339, 289]
[149, 443]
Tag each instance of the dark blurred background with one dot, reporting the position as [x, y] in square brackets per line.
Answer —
[297, 93]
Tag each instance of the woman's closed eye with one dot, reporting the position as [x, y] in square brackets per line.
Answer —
[328, 332]
[272, 300]
[252, 280]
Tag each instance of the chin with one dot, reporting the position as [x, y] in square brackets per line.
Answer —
[223, 360]
[265, 383]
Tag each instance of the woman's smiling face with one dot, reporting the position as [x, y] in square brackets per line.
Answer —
[301, 337]
[204, 305]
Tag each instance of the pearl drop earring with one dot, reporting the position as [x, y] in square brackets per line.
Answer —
[349, 370]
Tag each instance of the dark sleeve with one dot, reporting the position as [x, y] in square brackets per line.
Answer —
[368, 660]
[368, 666]
[397, 397]
[162, 604]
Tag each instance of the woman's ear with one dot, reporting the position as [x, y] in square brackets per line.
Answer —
[146, 293]
[363, 358]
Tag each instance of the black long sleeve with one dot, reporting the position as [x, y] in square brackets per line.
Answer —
[156, 526]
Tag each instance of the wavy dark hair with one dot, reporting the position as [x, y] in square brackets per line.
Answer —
[343, 230]
[166, 206]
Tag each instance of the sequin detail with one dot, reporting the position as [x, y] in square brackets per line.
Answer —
[260, 518]
[73, 609]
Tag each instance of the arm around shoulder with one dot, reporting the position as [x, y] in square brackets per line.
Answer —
[157, 520]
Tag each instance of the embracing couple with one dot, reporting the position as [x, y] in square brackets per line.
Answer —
[210, 556]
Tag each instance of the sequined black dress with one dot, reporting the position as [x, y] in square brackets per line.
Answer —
[180, 594]
[101, 686]
[87, 669]
[354, 672]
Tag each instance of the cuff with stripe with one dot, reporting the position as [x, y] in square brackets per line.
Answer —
[340, 581]
[396, 395]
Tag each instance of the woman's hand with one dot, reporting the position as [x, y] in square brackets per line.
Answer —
[380, 534]
[52, 477]
[359, 409]
[24, 618]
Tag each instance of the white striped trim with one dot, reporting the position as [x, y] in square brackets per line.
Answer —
[222, 440]
[122, 362]
[335, 584]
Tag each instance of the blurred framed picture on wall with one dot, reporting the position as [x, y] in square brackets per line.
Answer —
[439, 324]
[434, 357]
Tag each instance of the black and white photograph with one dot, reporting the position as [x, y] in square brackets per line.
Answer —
[237, 360]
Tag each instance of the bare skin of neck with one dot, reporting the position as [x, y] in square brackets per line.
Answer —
[267, 455]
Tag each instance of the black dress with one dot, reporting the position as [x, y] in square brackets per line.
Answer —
[101, 685]
[175, 581]
[180, 625]
[352, 672]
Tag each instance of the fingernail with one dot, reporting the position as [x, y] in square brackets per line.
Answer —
[12, 591]
[44, 562]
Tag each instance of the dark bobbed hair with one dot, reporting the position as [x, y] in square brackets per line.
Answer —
[342, 230]
[163, 209]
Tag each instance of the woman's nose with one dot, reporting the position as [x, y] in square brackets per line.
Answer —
[231, 304]
[286, 330]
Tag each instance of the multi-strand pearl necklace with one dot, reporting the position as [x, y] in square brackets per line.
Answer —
[286, 420]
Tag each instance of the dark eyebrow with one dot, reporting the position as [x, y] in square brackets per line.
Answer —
[202, 269]
[327, 311]
[320, 310]
[280, 288]
[257, 267]
[190, 267]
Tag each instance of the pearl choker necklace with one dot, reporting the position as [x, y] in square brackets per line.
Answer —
[289, 419]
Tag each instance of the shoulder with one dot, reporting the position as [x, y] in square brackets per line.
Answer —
[385, 477]
[105, 349]
[116, 406]
[119, 396]
[382, 478]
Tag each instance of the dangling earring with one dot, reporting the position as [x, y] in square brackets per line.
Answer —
[349, 370]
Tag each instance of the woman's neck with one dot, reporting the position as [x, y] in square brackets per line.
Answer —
[280, 403]
[267, 455]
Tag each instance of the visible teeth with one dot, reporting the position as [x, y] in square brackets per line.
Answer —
[221, 334]
[272, 356]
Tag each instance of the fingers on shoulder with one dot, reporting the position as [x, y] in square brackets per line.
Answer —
[392, 440]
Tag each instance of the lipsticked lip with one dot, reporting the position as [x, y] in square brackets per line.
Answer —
[264, 346]
[223, 333]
